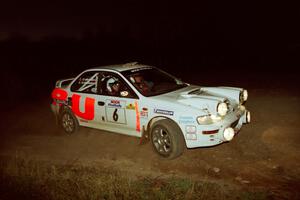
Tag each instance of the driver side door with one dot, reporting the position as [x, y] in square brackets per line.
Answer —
[121, 112]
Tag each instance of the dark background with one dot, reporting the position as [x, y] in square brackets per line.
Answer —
[252, 45]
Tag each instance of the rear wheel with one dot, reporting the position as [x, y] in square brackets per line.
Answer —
[68, 121]
[167, 139]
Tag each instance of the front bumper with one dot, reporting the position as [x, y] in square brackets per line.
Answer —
[222, 131]
[54, 108]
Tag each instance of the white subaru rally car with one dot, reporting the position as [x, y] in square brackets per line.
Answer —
[146, 102]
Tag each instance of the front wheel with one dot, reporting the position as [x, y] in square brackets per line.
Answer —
[167, 139]
[68, 121]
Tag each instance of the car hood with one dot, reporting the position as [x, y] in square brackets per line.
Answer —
[204, 98]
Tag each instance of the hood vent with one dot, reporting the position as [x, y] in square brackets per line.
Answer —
[196, 91]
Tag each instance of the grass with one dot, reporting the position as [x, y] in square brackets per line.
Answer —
[30, 179]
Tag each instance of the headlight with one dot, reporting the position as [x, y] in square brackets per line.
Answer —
[248, 117]
[222, 109]
[204, 120]
[243, 96]
[208, 119]
[228, 134]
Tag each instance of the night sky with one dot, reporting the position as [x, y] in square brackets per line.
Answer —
[224, 43]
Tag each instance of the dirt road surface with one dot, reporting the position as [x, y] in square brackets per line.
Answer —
[264, 155]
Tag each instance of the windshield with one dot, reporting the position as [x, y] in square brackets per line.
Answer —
[151, 81]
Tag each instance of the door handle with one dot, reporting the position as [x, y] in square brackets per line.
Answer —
[101, 103]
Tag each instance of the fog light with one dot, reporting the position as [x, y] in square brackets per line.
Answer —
[248, 117]
[191, 136]
[191, 132]
[228, 133]
[190, 129]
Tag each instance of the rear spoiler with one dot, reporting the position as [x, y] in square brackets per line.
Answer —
[63, 82]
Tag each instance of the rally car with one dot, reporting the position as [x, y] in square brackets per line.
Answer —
[146, 102]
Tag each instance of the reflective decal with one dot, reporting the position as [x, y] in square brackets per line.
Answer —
[59, 94]
[138, 123]
[164, 112]
[89, 107]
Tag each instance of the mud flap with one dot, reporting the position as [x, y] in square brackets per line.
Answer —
[145, 137]
[54, 109]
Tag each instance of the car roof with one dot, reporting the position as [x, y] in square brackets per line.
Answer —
[123, 67]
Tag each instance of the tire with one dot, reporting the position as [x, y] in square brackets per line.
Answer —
[68, 122]
[167, 139]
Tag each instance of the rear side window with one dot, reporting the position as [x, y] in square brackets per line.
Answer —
[86, 83]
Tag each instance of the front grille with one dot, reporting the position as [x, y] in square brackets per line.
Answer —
[230, 107]
[233, 125]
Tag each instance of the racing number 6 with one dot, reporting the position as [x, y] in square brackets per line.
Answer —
[115, 115]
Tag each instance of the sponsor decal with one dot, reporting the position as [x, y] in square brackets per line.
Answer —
[139, 69]
[186, 120]
[164, 112]
[114, 104]
[89, 111]
[144, 114]
[130, 107]
[59, 94]
[115, 101]
[115, 111]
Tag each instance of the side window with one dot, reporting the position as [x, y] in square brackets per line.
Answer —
[86, 83]
[113, 85]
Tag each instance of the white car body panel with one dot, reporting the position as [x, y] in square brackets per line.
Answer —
[182, 106]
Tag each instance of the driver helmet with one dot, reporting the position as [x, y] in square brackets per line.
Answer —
[110, 82]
